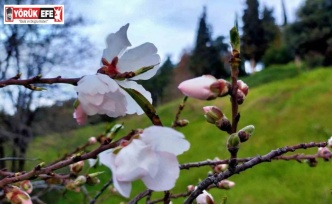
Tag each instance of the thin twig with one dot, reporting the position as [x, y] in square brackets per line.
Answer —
[93, 201]
[177, 115]
[139, 196]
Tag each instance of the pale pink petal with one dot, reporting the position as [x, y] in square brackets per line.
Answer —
[80, 115]
[114, 105]
[124, 188]
[138, 57]
[107, 158]
[134, 161]
[116, 43]
[168, 172]
[198, 87]
[164, 139]
[132, 106]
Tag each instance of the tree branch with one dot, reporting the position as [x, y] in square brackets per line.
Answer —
[38, 80]
[249, 164]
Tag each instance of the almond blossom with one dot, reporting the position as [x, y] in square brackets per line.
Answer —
[151, 157]
[100, 94]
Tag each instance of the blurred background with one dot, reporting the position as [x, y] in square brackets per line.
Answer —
[286, 51]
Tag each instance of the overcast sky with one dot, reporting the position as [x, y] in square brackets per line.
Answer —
[170, 24]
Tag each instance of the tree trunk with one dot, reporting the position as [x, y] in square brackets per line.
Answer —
[253, 65]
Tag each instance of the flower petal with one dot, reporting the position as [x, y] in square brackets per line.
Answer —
[134, 161]
[164, 139]
[168, 172]
[142, 56]
[107, 158]
[198, 87]
[132, 106]
[116, 43]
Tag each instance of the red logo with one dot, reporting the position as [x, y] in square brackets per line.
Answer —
[34, 14]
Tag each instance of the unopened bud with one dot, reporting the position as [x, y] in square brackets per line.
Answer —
[324, 153]
[246, 132]
[205, 198]
[220, 168]
[200, 87]
[92, 179]
[80, 180]
[17, 196]
[243, 87]
[226, 184]
[182, 122]
[76, 167]
[224, 124]
[190, 188]
[92, 140]
[240, 96]
[26, 185]
[233, 141]
[220, 87]
[212, 114]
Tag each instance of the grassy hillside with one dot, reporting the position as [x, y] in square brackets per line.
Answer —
[284, 112]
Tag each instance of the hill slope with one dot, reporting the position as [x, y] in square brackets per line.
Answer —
[284, 112]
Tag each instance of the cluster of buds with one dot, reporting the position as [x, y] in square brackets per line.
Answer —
[242, 91]
[90, 179]
[16, 195]
[215, 116]
[206, 87]
[241, 136]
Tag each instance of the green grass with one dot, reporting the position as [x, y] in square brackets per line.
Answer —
[289, 110]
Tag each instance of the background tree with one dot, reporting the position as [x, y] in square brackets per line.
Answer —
[311, 34]
[32, 50]
[205, 58]
[252, 37]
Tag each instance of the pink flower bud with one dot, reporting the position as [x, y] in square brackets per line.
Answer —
[220, 168]
[205, 198]
[243, 87]
[226, 184]
[212, 114]
[80, 115]
[17, 196]
[92, 140]
[190, 188]
[221, 87]
[199, 87]
[76, 167]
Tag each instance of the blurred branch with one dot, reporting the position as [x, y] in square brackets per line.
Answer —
[38, 170]
[38, 80]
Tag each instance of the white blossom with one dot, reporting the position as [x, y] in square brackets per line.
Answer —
[150, 157]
